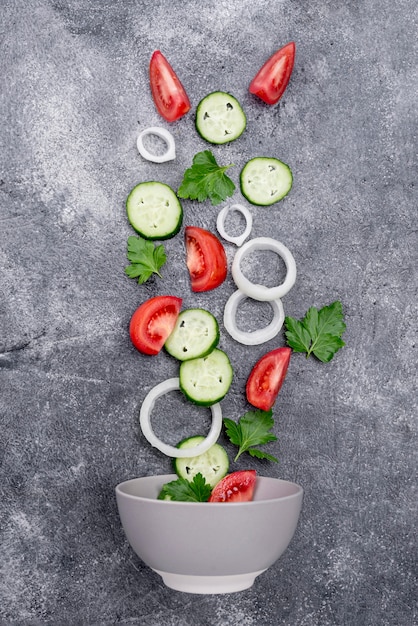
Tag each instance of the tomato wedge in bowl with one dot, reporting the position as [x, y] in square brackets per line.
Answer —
[152, 323]
[271, 80]
[266, 378]
[206, 259]
[168, 93]
[235, 487]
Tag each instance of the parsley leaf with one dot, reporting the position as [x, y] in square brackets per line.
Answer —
[146, 259]
[206, 179]
[252, 430]
[319, 332]
[182, 490]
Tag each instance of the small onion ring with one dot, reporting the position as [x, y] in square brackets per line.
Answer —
[258, 336]
[261, 292]
[172, 384]
[163, 134]
[220, 223]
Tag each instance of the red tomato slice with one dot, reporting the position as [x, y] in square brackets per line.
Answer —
[271, 80]
[235, 487]
[167, 91]
[152, 323]
[267, 377]
[206, 259]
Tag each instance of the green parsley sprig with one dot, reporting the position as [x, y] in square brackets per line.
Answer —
[252, 429]
[182, 490]
[206, 179]
[145, 257]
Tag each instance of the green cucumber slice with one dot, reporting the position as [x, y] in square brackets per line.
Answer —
[213, 464]
[206, 380]
[195, 334]
[265, 180]
[154, 210]
[220, 118]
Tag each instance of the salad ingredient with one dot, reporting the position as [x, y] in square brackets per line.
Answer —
[206, 259]
[152, 323]
[220, 118]
[212, 465]
[205, 179]
[252, 429]
[220, 223]
[265, 180]
[163, 134]
[145, 257]
[173, 384]
[183, 490]
[195, 334]
[272, 79]
[154, 210]
[258, 336]
[206, 380]
[169, 95]
[266, 378]
[318, 333]
[260, 292]
[235, 487]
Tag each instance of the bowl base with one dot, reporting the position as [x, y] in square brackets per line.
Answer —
[209, 584]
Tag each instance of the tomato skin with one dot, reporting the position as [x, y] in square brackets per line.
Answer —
[266, 378]
[271, 80]
[206, 259]
[152, 323]
[235, 487]
[168, 93]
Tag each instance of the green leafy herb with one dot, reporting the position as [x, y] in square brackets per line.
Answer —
[319, 332]
[206, 179]
[251, 430]
[182, 490]
[146, 259]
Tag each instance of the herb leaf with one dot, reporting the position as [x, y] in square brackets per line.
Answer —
[319, 332]
[146, 259]
[206, 179]
[182, 490]
[251, 430]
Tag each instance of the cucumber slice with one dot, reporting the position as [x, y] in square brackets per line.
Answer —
[220, 118]
[265, 180]
[195, 334]
[213, 464]
[206, 380]
[154, 210]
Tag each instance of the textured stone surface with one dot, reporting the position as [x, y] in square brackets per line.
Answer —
[74, 96]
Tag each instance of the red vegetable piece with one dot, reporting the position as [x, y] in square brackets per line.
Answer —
[272, 79]
[168, 93]
[206, 259]
[152, 323]
[266, 378]
[235, 487]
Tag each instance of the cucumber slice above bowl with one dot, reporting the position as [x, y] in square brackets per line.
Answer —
[195, 334]
[154, 210]
[220, 118]
[213, 464]
[265, 180]
[206, 380]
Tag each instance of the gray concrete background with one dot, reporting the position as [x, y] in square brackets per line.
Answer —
[74, 96]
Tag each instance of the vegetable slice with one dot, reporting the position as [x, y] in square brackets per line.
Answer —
[156, 392]
[258, 336]
[152, 323]
[265, 180]
[235, 487]
[266, 378]
[169, 95]
[206, 380]
[163, 134]
[271, 80]
[195, 334]
[220, 223]
[220, 118]
[206, 259]
[212, 464]
[154, 210]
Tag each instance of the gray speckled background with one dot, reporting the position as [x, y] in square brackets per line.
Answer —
[74, 96]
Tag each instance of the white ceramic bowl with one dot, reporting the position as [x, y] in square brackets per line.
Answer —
[209, 547]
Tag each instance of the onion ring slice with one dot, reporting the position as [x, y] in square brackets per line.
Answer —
[163, 134]
[258, 336]
[172, 384]
[220, 224]
[261, 292]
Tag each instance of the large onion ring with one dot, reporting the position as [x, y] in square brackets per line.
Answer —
[163, 134]
[220, 223]
[172, 384]
[258, 336]
[261, 292]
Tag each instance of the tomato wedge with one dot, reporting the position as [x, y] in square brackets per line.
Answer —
[167, 91]
[235, 487]
[206, 259]
[271, 80]
[152, 323]
[267, 377]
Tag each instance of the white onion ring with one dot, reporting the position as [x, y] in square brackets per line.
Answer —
[261, 292]
[172, 384]
[220, 223]
[258, 336]
[163, 134]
